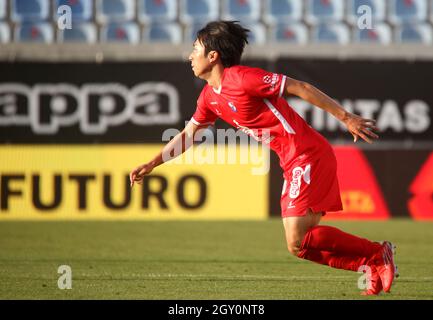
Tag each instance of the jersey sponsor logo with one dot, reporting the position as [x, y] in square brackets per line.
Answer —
[272, 80]
[267, 79]
[299, 174]
[265, 137]
[47, 108]
[218, 112]
[233, 107]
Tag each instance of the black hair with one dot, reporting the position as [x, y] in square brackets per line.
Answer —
[228, 38]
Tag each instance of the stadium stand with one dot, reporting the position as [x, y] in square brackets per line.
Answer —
[290, 33]
[121, 32]
[406, 11]
[336, 33]
[242, 10]
[282, 11]
[380, 34]
[29, 10]
[2, 9]
[109, 11]
[5, 33]
[176, 21]
[431, 11]
[198, 11]
[414, 33]
[324, 11]
[159, 32]
[81, 32]
[257, 32]
[82, 10]
[377, 7]
[34, 32]
[151, 11]
[191, 31]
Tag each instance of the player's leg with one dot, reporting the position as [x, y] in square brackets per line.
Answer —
[325, 244]
[307, 239]
[296, 228]
[333, 247]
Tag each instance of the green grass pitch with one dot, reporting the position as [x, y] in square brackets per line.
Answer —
[195, 260]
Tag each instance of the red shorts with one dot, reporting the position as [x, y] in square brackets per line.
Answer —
[311, 183]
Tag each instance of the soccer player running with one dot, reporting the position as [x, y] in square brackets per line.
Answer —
[253, 100]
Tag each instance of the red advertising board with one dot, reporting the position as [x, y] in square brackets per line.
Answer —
[420, 204]
[360, 192]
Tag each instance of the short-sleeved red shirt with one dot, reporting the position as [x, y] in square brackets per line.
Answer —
[251, 99]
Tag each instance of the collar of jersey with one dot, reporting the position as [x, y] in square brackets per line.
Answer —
[218, 91]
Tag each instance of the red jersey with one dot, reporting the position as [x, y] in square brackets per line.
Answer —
[251, 99]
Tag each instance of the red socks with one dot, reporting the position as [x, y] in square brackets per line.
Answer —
[335, 248]
[333, 259]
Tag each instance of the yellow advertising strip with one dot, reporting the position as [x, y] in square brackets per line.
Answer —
[85, 182]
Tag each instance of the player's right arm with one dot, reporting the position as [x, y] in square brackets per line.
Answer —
[202, 118]
[175, 147]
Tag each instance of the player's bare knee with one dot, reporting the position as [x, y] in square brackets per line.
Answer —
[294, 247]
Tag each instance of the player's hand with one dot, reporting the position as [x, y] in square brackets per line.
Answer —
[360, 127]
[138, 173]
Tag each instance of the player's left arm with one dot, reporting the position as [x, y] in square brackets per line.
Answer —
[357, 126]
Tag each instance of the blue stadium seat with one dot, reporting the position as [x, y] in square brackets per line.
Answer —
[108, 11]
[150, 11]
[121, 32]
[431, 11]
[5, 33]
[80, 32]
[190, 32]
[29, 10]
[163, 32]
[282, 11]
[380, 34]
[378, 9]
[82, 10]
[414, 33]
[2, 9]
[196, 11]
[242, 10]
[34, 32]
[257, 33]
[290, 33]
[406, 11]
[324, 11]
[337, 33]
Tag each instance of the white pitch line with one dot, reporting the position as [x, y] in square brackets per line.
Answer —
[234, 276]
[262, 277]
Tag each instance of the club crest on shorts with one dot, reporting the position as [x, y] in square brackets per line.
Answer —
[295, 184]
